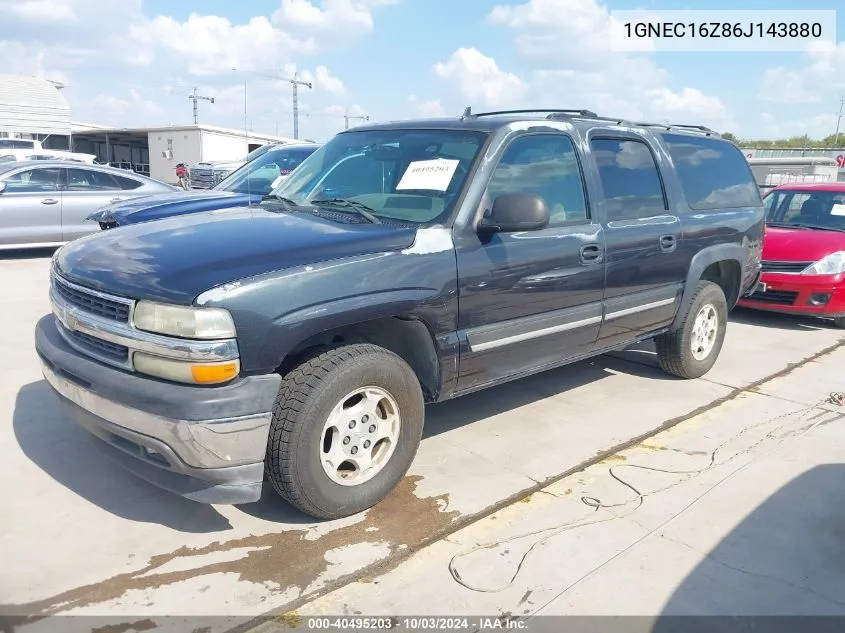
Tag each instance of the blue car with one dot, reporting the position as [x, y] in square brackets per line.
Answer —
[241, 188]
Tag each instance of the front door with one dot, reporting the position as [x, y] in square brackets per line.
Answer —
[531, 299]
[646, 264]
[31, 207]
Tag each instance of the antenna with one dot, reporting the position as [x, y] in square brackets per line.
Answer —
[195, 98]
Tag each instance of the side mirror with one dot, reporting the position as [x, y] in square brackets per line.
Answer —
[2, 186]
[513, 212]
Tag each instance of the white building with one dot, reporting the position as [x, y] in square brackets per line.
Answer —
[156, 151]
[34, 108]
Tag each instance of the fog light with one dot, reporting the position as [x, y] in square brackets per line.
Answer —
[819, 298]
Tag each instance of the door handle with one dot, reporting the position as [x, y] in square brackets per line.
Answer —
[113, 200]
[668, 243]
[49, 201]
[590, 254]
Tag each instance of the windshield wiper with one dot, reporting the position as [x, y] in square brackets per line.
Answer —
[357, 207]
[272, 197]
[819, 227]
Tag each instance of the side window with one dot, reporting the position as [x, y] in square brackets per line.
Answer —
[90, 180]
[544, 165]
[714, 174]
[33, 181]
[629, 179]
[127, 184]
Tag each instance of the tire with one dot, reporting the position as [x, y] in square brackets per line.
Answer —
[839, 322]
[308, 396]
[675, 349]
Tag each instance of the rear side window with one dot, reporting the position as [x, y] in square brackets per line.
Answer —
[713, 173]
[629, 179]
[127, 184]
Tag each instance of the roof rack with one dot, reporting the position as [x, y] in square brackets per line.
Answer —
[582, 113]
[672, 126]
[563, 114]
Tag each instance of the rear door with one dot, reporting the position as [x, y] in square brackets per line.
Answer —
[646, 266]
[85, 191]
[531, 299]
[31, 207]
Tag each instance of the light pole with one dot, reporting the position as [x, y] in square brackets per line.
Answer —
[838, 121]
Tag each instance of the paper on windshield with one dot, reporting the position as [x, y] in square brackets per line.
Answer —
[838, 209]
[277, 182]
[433, 175]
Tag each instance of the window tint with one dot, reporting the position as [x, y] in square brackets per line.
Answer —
[33, 180]
[90, 180]
[714, 174]
[546, 166]
[127, 183]
[629, 179]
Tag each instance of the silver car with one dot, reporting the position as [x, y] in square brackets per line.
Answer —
[45, 203]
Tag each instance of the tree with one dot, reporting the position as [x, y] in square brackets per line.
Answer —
[730, 137]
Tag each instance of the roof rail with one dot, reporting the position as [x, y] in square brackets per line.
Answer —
[583, 113]
[678, 126]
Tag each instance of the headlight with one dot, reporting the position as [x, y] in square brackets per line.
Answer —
[184, 322]
[188, 372]
[832, 264]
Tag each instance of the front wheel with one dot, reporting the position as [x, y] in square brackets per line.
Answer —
[692, 349]
[346, 426]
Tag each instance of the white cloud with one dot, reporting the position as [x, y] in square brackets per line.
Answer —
[822, 78]
[431, 108]
[817, 126]
[479, 79]
[323, 79]
[781, 85]
[566, 47]
[47, 10]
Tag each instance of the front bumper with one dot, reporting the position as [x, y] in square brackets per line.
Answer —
[815, 295]
[203, 443]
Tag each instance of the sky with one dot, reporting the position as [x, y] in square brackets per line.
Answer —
[132, 63]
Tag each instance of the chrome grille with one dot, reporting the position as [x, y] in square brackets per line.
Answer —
[201, 178]
[100, 347]
[772, 266]
[92, 302]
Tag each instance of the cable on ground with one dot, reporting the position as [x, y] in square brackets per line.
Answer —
[549, 533]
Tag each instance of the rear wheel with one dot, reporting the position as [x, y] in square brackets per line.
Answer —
[346, 426]
[692, 349]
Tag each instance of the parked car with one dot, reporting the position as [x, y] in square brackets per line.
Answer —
[400, 264]
[246, 186]
[804, 252]
[206, 175]
[45, 203]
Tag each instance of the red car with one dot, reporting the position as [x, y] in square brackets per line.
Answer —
[804, 252]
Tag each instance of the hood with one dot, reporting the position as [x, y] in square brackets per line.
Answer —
[800, 245]
[175, 259]
[167, 204]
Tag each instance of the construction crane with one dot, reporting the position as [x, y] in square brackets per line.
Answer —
[195, 98]
[346, 117]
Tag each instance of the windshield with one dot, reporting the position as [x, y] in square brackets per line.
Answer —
[401, 175]
[258, 176]
[814, 208]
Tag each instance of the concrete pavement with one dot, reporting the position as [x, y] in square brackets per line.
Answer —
[88, 538]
